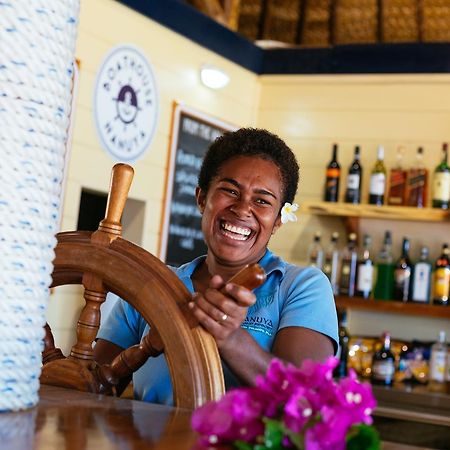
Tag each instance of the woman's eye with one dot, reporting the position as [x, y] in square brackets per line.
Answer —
[230, 191]
[262, 201]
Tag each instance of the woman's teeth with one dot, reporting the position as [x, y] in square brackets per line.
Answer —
[238, 233]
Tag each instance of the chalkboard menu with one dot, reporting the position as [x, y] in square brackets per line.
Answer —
[181, 235]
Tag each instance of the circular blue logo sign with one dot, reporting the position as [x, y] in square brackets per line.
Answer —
[125, 103]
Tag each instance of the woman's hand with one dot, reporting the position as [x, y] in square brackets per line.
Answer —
[222, 308]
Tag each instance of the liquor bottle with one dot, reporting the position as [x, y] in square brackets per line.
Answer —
[341, 370]
[384, 286]
[354, 180]
[402, 274]
[421, 280]
[332, 178]
[417, 184]
[397, 181]
[378, 180]
[315, 252]
[442, 278]
[364, 276]
[383, 363]
[438, 365]
[331, 262]
[347, 282]
[441, 182]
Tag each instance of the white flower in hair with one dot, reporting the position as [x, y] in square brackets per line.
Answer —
[288, 212]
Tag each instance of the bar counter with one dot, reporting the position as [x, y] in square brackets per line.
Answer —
[72, 420]
[413, 415]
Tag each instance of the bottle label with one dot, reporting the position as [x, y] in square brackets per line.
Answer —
[397, 185]
[377, 184]
[441, 186]
[333, 173]
[383, 370]
[365, 277]
[442, 282]
[421, 282]
[417, 183]
[353, 181]
[438, 362]
[402, 276]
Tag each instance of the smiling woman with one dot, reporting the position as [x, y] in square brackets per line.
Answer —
[245, 179]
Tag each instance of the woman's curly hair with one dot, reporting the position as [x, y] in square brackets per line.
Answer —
[251, 142]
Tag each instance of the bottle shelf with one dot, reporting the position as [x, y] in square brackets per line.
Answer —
[391, 306]
[375, 212]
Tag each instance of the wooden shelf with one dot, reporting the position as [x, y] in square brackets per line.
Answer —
[375, 212]
[396, 307]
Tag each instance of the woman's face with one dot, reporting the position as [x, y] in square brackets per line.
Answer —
[241, 210]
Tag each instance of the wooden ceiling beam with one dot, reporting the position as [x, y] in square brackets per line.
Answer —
[225, 12]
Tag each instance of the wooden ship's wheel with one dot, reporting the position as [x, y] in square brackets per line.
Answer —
[104, 262]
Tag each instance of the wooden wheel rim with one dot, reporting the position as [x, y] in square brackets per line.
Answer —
[156, 292]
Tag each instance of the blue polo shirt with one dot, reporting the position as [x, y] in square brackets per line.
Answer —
[291, 296]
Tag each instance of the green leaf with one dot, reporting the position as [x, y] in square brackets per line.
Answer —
[273, 434]
[363, 437]
[242, 445]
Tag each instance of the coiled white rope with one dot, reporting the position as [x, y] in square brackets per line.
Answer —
[37, 45]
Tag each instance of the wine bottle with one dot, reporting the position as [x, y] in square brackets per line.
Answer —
[331, 262]
[354, 180]
[421, 280]
[364, 277]
[417, 184]
[347, 282]
[333, 174]
[397, 181]
[402, 273]
[315, 251]
[383, 363]
[442, 278]
[384, 285]
[441, 182]
[378, 180]
[341, 370]
[438, 365]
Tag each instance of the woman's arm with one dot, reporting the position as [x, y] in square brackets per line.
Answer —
[247, 359]
[240, 351]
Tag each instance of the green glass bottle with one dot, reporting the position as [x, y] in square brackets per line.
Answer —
[384, 286]
[441, 182]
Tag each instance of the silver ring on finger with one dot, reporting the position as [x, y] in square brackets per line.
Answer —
[223, 318]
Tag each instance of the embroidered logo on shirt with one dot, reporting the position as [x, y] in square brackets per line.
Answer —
[258, 323]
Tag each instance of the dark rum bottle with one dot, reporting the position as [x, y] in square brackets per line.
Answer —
[441, 182]
[341, 370]
[442, 278]
[333, 174]
[402, 274]
[354, 180]
[349, 262]
[383, 363]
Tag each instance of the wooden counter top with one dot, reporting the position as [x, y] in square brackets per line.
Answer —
[72, 420]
